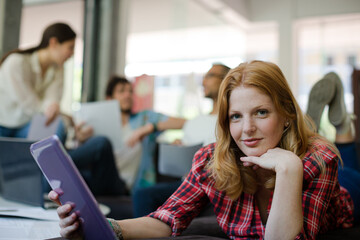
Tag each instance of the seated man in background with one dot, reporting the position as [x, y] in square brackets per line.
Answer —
[94, 157]
[134, 160]
[114, 172]
[198, 130]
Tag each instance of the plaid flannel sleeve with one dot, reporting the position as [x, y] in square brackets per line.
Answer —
[188, 200]
[317, 191]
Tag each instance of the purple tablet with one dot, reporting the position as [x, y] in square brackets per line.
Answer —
[61, 173]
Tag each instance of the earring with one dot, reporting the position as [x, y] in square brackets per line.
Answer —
[287, 124]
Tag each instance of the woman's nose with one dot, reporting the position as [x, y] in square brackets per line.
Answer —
[249, 126]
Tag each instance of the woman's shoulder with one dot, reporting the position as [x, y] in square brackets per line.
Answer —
[321, 155]
[322, 147]
[14, 58]
[203, 156]
[16, 62]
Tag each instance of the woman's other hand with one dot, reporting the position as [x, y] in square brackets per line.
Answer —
[51, 112]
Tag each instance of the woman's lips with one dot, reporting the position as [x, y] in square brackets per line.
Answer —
[251, 142]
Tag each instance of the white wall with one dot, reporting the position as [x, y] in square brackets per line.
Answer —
[160, 15]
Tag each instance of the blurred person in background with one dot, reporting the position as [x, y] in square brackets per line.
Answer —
[135, 160]
[31, 80]
[201, 129]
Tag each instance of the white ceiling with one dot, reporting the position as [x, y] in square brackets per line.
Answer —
[159, 15]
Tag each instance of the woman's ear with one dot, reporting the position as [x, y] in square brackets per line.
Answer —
[287, 123]
[53, 42]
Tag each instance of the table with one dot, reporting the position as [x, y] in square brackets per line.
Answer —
[21, 228]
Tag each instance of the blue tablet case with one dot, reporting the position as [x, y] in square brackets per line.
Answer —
[61, 172]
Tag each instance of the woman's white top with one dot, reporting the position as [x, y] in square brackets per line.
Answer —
[23, 89]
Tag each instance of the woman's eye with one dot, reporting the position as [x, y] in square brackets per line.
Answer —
[234, 116]
[262, 112]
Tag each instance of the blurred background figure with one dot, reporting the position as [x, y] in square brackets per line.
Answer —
[198, 130]
[330, 91]
[32, 80]
[135, 160]
[113, 172]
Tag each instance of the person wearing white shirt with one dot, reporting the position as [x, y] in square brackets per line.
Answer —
[31, 80]
[198, 130]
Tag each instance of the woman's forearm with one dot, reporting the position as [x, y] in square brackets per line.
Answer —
[285, 219]
[144, 227]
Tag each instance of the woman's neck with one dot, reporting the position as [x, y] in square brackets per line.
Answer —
[262, 175]
[44, 60]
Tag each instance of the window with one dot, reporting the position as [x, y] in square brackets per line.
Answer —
[325, 45]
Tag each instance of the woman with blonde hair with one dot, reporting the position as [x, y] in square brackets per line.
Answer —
[267, 176]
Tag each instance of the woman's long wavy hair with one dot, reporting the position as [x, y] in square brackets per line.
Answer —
[61, 31]
[225, 166]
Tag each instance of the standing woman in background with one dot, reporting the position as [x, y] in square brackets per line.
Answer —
[31, 80]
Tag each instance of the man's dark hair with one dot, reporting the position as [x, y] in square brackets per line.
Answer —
[113, 81]
[225, 68]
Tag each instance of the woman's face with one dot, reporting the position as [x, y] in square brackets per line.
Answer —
[255, 124]
[63, 51]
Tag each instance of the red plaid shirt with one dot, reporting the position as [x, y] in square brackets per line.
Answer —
[326, 205]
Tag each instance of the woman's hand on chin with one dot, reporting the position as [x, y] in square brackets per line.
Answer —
[276, 159]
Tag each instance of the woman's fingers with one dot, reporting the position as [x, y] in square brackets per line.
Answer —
[69, 223]
[68, 220]
[63, 211]
[51, 113]
[54, 196]
[249, 161]
[70, 231]
[256, 162]
[50, 119]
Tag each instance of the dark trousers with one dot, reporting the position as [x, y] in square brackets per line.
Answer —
[349, 174]
[147, 200]
[96, 161]
[19, 132]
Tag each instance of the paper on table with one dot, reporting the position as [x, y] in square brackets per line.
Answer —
[30, 212]
[21, 229]
[104, 118]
